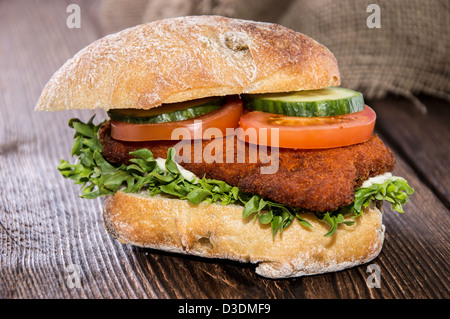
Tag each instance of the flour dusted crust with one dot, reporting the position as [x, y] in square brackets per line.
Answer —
[217, 231]
[186, 58]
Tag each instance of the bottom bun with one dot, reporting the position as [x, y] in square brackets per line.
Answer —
[218, 231]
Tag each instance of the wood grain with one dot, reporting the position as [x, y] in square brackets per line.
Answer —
[45, 226]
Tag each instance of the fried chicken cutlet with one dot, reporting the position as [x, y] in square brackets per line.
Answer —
[316, 180]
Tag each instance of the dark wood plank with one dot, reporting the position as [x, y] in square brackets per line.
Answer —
[45, 226]
[421, 141]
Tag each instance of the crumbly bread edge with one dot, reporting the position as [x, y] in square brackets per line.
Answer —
[187, 58]
[219, 231]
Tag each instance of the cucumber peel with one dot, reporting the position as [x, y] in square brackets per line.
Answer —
[331, 101]
[168, 113]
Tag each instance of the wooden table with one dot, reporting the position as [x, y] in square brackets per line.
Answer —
[45, 226]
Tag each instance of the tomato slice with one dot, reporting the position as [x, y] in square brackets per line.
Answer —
[225, 117]
[309, 132]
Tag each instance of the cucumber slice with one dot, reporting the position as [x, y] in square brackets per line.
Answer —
[168, 112]
[331, 101]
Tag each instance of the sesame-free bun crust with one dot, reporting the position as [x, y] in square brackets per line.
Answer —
[187, 58]
[219, 231]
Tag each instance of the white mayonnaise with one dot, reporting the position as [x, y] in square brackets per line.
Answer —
[188, 175]
[380, 179]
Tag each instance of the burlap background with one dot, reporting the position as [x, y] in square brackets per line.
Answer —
[407, 56]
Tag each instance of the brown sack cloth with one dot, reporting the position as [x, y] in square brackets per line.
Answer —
[408, 55]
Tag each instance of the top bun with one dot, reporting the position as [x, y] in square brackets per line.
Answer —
[187, 58]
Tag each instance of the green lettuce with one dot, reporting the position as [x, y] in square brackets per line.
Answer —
[98, 177]
[394, 190]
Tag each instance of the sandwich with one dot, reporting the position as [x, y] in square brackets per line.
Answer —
[230, 139]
